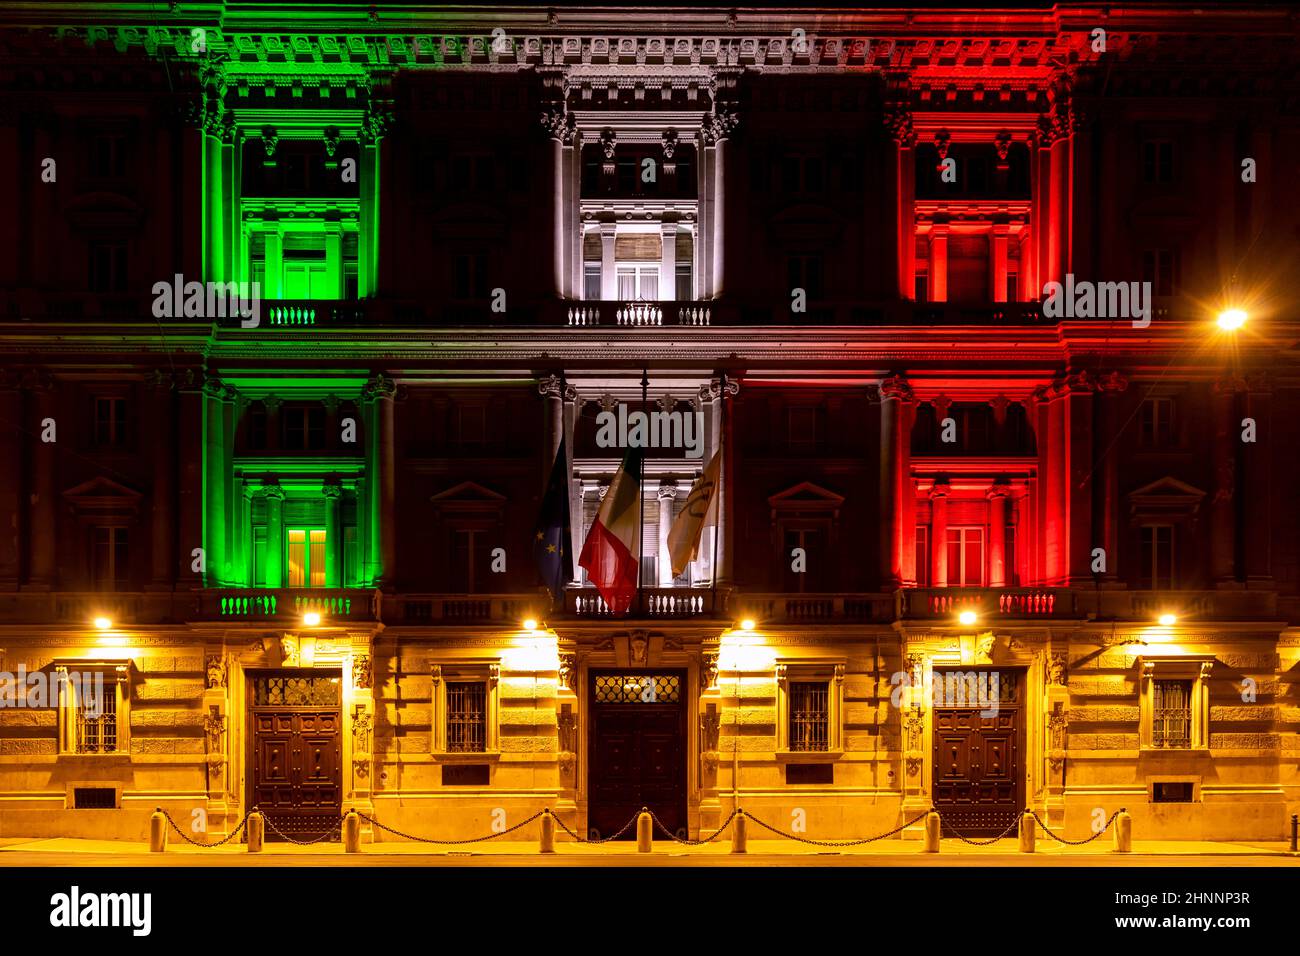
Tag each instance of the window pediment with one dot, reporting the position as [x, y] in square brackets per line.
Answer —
[805, 498]
[103, 497]
[1168, 499]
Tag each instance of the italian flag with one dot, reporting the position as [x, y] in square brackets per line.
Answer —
[610, 552]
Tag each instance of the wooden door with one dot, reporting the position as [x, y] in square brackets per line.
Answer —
[637, 750]
[297, 755]
[978, 781]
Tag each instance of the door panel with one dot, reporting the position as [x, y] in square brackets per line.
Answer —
[637, 755]
[978, 777]
[297, 772]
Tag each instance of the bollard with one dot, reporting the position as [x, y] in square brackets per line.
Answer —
[740, 834]
[1295, 828]
[1123, 832]
[931, 844]
[1027, 832]
[352, 832]
[157, 831]
[644, 833]
[255, 832]
[548, 832]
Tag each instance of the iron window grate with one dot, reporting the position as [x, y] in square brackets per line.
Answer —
[466, 716]
[97, 723]
[1171, 713]
[94, 798]
[638, 689]
[809, 715]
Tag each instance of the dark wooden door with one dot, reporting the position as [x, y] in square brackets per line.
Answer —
[296, 761]
[637, 750]
[978, 772]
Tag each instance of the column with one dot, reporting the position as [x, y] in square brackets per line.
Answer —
[668, 262]
[1053, 528]
[191, 472]
[333, 261]
[551, 389]
[937, 290]
[998, 262]
[13, 451]
[1077, 477]
[720, 396]
[215, 397]
[332, 493]
[43, 530]
[667, 495]
[939, 534]
[368, 225]
[240, 534]
[1107, 500]
[273, 277]
[566, 224]
[899, 120]
[382, 391]
[1257, 459]
[231, 408]
[717, 247]
[164, 453]
[274, 495]
[894, 391]
[608, 277]
[998, 536]
[1223, 506]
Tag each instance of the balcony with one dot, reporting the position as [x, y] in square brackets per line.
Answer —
[434, 609]
[288, 605]
[814, 608]
[639, 314]
[660, 603]
[1009, 604]
[999, 603]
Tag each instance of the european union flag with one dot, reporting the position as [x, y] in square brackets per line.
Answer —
[551, 537]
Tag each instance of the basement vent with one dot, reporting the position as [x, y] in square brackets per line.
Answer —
[809, 773]
[94, 798]
[465, 775]
[1171, 793]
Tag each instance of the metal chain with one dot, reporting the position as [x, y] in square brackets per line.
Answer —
[482, 839]
[792, 836]
[188, 839]
[627, 826]
[1014, 824]
[1058, 839]
[330, 835]
[703, 840]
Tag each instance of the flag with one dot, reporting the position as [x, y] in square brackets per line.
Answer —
[701, 509]
[610, 553]
[551, 537]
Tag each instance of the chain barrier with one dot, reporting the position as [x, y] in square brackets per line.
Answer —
[482, 839]
[1058, 839]
[188, 839]
[330, 835]
[599, 840]
[703, 840]
[1001, 836]
[812, 842]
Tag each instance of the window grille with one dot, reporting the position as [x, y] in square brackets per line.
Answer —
[296, 692]
[638, 689]
[466, 716]
[97, 722]
[809, 715]
[1171, 713]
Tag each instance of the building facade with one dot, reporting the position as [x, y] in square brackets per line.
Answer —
[981, 543]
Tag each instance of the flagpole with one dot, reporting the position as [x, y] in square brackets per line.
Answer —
[717, 492]
[640, 508]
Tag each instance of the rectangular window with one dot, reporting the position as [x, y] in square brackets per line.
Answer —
[1157, 571]
[469, 276]
[638, 282]
[1160, 268]
[302, 427]
[805, 272]
[815, 575]
[108, 156]
[801, 428]
[809, 716]
[922, 556]
[466, 716]
[106, 267]
[1156, 429]
[97, 720]
[1171, 713]
[471, 425]
[109, 568]
[685, 291]
[1157, 161]
[966, 557]
[110, 421]
[306, 558]
[591, 281]
[259, 557]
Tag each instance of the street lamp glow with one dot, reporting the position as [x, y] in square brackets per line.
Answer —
[311, 619]
[103, 623]
[747, 624]
[530, 625]
[967, 617]
[1168, 620]
[1232, 319]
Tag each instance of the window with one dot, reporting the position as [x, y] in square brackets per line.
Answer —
[110, 421]
[255, 433]
[302, 427]
[1157, 161]
[922, 556]
[471, 425]
[306, 558]
[108, 156]
[801, 428]
[465, 710]
[966, 557]
[109, 570]
[92, 708]
[106, 268]
[685, 287]
[1157, 555]
[809, 715]
[472, 174]
[470, 561]
[591, 281]
[466, 716]
[1160, 268]
[469, 276]
[1171, 713]
[816, 573]
[640, 281]
[1174, 702]
[805, 272]
[803, 174]
[1156, 428]
[810, 707]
